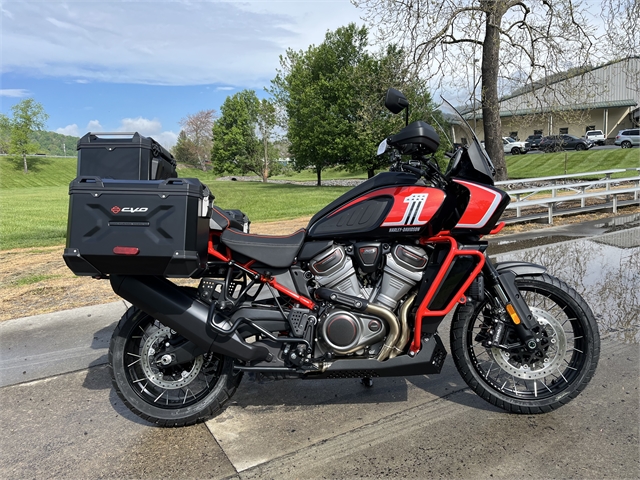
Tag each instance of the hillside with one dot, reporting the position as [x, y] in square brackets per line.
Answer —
[55, 144]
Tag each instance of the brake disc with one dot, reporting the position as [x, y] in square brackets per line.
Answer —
[160, 377]
[554, 353]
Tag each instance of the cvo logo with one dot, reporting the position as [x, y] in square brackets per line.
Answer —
[116, 209]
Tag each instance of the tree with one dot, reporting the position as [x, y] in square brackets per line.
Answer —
[372, 78]
[5, 133]
[198, 128]
[266, 121]
[28, 116]
[184, 150]
[518, 42]
[316, 91]
[243, 135]
[334, 97]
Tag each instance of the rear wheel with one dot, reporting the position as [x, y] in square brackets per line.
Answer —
[626, 144]
[514, 379]
[159, 390]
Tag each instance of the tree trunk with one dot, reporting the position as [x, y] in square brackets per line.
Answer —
[370, 172]
[319, 175]
[24, 160]
[265, 170]
[490, 102]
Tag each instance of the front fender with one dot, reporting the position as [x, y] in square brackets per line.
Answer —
[520, 268]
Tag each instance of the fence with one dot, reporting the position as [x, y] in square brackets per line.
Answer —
[570, 198]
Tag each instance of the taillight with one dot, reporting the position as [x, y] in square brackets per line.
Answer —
[126, 250]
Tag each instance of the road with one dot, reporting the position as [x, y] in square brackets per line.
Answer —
[60, 417]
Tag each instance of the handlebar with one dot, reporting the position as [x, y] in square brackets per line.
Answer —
[431, 172]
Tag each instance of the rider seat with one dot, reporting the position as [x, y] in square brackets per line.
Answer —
[277, 251]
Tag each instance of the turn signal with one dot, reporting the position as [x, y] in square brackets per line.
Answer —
[512, 313]
[126, 250]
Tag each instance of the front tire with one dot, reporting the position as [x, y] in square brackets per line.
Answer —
[580, 147]
[513, 380]
[515, 151]
[171, 396]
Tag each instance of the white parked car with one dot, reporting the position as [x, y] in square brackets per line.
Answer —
[514, 147]
[595, 136]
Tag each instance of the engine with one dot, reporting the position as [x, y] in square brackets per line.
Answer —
[378, 273]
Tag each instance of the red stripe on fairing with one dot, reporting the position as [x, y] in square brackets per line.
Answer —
[431, 204]
[483, 203]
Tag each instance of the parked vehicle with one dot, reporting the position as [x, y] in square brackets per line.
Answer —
[534, 141]
[515, 147]
[628, 138]
[556, 143]
[596, 136]
[359, 293]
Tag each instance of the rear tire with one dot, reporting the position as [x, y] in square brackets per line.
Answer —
[516, 381]
[172, 396]
[626, 144]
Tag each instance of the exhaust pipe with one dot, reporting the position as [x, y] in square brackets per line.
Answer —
[168, 303]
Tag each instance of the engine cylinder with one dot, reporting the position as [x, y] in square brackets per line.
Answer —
[334, 269]
[402, 271]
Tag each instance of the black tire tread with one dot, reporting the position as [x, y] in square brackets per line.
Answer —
[526, 407]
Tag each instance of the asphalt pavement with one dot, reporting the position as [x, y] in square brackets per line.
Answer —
[60, 417]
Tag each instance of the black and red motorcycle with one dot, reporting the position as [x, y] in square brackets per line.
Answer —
[359, 293]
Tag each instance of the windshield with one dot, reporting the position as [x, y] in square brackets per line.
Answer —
[473, 162]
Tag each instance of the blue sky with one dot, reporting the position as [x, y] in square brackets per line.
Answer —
[142, 66]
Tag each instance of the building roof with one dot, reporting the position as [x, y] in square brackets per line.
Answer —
[534, 111]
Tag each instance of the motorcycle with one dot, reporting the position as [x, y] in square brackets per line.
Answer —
[360, 293]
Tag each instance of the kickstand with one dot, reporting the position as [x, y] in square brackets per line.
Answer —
[367, 382]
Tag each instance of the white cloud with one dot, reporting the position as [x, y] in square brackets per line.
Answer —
[144, 126]
[94, 126]
[69, 130]
[149, 128]
[225, 88]
[14, 92]
[165, 43]
[141, 125]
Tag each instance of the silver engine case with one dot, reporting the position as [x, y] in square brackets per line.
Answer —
[345, 332]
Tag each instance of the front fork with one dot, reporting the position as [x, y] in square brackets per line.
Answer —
[512, 305]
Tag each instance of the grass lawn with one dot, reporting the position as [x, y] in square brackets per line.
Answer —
[532, 165]
[33, 207]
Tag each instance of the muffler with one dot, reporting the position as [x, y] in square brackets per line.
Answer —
[168, 303]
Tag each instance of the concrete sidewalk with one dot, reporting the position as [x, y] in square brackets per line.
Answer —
[41, 346]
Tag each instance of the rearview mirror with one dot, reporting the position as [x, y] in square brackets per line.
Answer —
[395, 101]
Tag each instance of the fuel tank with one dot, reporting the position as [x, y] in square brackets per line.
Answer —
[387, 205]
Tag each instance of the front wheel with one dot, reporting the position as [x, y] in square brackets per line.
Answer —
[580, 147]
[156, 388]
[514, 379]
[515, 151]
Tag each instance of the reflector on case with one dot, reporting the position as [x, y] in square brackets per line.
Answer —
[126, 250]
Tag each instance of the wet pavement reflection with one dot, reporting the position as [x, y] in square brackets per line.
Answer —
[605, 270]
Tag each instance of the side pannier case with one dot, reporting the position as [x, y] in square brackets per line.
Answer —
[134, 227]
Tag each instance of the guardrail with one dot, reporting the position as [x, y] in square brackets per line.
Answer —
[571, 198]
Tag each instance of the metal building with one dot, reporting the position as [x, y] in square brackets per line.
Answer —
[600, 98]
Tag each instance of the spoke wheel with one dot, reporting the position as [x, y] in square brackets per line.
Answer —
[516, 379]
[157, 388]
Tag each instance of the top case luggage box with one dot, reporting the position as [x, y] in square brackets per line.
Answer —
[136, 227]
[124, 156]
